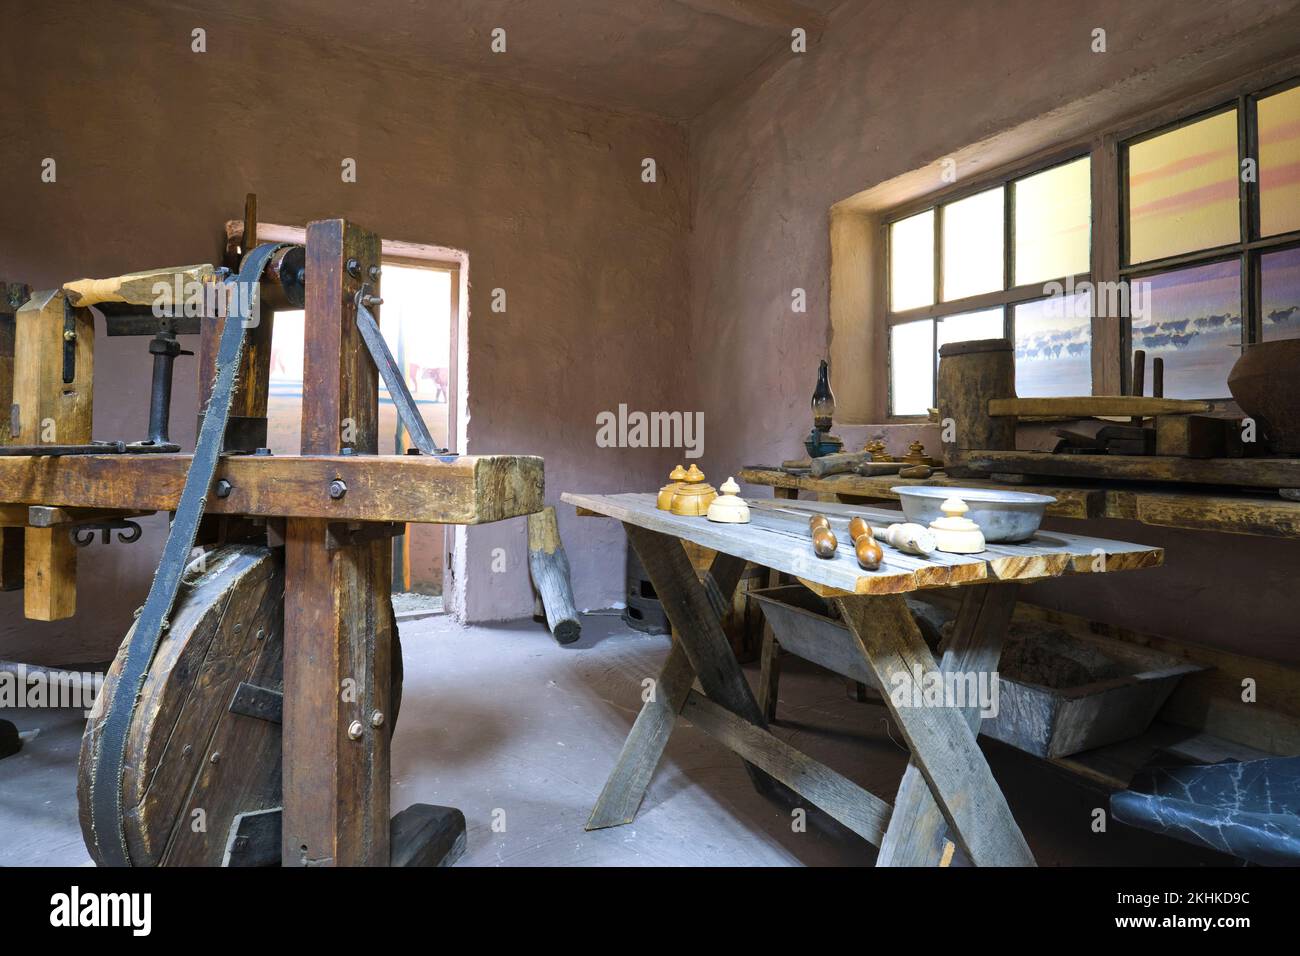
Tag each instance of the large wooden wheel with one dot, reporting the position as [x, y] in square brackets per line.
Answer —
[204, 739]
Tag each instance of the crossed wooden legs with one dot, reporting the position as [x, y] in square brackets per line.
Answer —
[947, 783]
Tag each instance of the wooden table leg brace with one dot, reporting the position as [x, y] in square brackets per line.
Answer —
[942, 738]
[726, 710]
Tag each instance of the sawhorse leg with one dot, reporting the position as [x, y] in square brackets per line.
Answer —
[700, 650]
[942, 739]
[917, 832]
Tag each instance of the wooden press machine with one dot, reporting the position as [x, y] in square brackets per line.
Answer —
[260, 732]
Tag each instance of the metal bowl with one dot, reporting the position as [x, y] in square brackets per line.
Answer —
[1001, 515]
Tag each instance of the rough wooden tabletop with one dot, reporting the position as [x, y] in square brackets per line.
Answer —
[777, 537]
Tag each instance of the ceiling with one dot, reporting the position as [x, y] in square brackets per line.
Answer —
[669, 57]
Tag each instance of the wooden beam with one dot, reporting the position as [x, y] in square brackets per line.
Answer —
[768, 14]
[12, 558]
[1248, 472]
[940, 738]
[1091, 406]
[467, 490]
[136, 288]
[916, 834]
[338, 614]
[50, 580]
[860, 810]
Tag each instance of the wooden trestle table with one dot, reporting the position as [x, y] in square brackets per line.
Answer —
[947, 792]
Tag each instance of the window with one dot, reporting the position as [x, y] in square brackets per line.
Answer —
[1211, 237]
[1201, 256]
[984, 265]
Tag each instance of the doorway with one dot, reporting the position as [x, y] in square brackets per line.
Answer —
[418, 321]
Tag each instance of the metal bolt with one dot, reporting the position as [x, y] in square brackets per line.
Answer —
[187, 750]
[223, 488]
[370, 301]
[354, 268]
[263, 452]
[338, 488]
[377, 719]
[69, 335]
[374, 272]
[216, 756]
[355, 729]
[261, 633]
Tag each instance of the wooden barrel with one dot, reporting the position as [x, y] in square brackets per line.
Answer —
[970, 373]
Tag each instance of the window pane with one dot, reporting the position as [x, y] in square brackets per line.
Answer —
[911, 262]
[1053, 222]
[1183, 189]
[911, 367]
[972, 245]
[985, 324]
[1054, 346]
[1280, 280]
[1279, 162]
[1192, 319]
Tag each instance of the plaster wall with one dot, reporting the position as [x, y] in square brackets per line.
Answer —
[894, 87]
[155, 148]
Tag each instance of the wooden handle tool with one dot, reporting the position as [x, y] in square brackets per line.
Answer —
[838, 463]
[909, 538]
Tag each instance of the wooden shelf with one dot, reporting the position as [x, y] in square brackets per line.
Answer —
[1262, 515]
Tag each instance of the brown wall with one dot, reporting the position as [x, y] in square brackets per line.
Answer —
[156, 147]
[894, 87]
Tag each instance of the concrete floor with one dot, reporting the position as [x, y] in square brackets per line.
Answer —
[510, 727]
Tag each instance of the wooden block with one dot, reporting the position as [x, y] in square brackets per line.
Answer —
[50, 578]
[52, 407]
[1192, 436]
[425, 835]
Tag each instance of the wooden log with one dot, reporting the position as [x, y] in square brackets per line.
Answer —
[137, 288]
[549, 568]
[50, 577]
[837, 464]
[970, 374]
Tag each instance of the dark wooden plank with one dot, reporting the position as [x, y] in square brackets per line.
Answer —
[344, 406]
[861, 811]
[940, 738]
[917, 829]
[1247, 472]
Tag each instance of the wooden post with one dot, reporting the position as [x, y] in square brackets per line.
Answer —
[53, 374]
[50, 574]
[549, 568]
[337, 633]
[11, 539]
